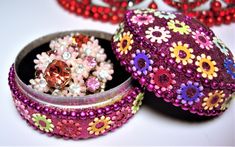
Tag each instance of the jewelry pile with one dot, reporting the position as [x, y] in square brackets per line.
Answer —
[74, 66]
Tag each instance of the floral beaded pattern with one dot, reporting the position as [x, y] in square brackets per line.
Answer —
[230, 67]
[121, 116]
[142, 63]
[190, 92]
[99, 125]
[219, 43]
[213, 100]
[180, 27]
[157, 34]
[189, 61]
[125, 43]
[77, 123]
[162, 78]
[142, 19]
[182, 53]
[137, 103]
[164, 14]
[118, 33]
[42, 122]
[206, 66]
[202, 40]
[22, 109]
[69, 128]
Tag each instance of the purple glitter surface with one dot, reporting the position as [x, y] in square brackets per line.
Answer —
[189, 50]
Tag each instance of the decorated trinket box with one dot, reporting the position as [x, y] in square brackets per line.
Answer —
[82, 84]
[178, 59]
[70, 115]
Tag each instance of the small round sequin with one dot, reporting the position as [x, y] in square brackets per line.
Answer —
[142, 19]
[206, 66]
[42, 122]
[177, 26]
[165, 15]
[118, 34]
[142, 63]
[202, 40]
[220, 44]
[157, 34]
[230, 67]
[162, 78]
[213, 100]
[125, 43]
[144, 11]
[99, 125]
[182, 53]
[190, 92]
[69, 128]
[137, 103]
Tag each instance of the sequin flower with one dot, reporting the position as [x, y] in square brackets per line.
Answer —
[104, 71]
[43, 60]
[182, 53]
[125, 43]
[22, 109]
[177, 26]
[230, 67]
[42, 122]
[206, 66]
[220, 44]
[158, 34]
[99, 125]
[137, 103]
[141, 19]
[202, 39]
[141, 62]
[69, 128]
[213, 100]
[121, 116]
[39, 84]
[162, 78]
[190, 92]
[144, 11]
[118, 34]
[163, 14]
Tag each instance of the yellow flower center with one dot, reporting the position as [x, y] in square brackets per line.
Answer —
[125, 43]
[207, 66]
[182, 53]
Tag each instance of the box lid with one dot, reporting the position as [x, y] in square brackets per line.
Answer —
[177, 58]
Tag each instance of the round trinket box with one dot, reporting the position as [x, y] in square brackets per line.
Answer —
[177, 58]
[73, 117]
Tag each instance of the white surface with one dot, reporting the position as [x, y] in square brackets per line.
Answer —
[25, 20]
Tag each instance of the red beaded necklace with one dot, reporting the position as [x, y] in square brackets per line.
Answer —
[115, 10]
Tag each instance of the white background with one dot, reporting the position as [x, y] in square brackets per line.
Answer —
[156, 124]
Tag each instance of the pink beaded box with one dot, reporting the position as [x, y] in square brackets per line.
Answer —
[73, 117]
[177, 58]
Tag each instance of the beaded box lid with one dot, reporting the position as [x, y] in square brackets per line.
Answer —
[177, 58]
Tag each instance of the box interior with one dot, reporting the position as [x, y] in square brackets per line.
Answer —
[26, 70]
